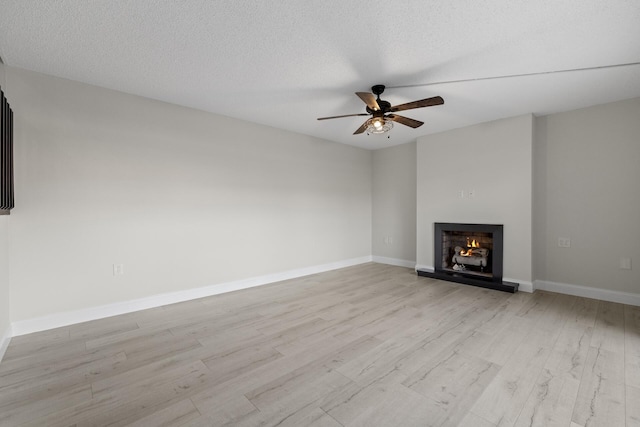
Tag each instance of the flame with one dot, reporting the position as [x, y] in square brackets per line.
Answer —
[473, 244]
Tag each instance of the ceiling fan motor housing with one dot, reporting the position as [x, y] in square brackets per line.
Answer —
[384, 105]
[384, 108]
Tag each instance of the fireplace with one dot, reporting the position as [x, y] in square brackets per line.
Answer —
[470, 254]
[469, 249]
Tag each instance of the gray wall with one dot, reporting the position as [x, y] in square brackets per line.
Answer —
[587, 188]
[493, 161]
[182, 198]
[394, 203]
[5, 320]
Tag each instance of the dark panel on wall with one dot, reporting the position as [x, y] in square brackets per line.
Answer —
[6, 156]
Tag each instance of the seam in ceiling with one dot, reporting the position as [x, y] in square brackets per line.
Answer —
[601, 67]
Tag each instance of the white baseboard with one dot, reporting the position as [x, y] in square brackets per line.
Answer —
[394, 261]
[5, 339]
[588, 292]
[57, 320]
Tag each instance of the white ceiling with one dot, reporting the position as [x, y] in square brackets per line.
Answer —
[284, 63]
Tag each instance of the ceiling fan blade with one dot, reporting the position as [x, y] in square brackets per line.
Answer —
[346, 115]
[369, 99]
[405, 121]
[436, 100]
[361, 128]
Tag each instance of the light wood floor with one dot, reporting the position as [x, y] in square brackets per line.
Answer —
[370, 345]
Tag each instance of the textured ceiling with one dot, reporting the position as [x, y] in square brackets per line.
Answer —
[284, 63]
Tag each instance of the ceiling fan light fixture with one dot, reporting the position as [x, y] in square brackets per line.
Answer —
[379, 125]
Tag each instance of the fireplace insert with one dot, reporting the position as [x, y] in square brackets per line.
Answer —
[469, 249]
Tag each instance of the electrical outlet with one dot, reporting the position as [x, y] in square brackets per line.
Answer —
[118, 269]
[471, 194]
[461, 194]
[625, 263]
[564, 242]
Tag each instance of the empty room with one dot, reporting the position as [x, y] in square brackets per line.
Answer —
[356, 213]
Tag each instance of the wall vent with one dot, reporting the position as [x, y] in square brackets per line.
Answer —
[6, 156]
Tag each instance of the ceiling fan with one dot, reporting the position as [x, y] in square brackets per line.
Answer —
[382, 113]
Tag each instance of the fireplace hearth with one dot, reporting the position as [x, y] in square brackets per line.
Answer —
[469, 254]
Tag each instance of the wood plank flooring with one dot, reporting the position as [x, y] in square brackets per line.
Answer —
[370, 345]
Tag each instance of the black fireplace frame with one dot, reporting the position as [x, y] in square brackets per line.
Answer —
[495, 282]
[496, 230]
